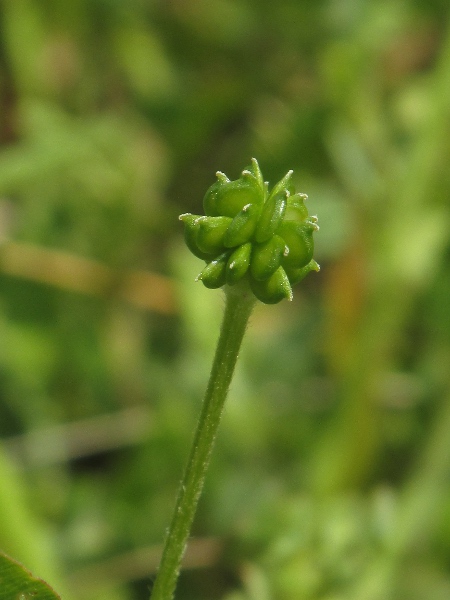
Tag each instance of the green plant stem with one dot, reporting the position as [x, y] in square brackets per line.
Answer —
[238, 307]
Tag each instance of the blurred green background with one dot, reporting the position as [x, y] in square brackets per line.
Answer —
[331, 475]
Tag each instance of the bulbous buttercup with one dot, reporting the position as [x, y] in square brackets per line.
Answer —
[211, 234]
[227, 197]
[299, 239]
[249, 233]
[238, 263]
[266, 257]
[242, 227]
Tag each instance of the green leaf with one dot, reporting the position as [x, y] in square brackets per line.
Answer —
[16, 583]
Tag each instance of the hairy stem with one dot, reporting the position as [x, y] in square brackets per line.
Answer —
[238, 307]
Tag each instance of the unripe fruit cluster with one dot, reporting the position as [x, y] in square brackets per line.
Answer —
[250, 233]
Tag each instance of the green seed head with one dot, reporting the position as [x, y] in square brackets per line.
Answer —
[238, 263]
[243, 226]
[267, 257]
[211, 234]
[249, 233]
[272, 215]
[214, 274]
[227, 197]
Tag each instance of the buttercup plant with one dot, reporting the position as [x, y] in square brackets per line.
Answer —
[256, 244]
[250, 233]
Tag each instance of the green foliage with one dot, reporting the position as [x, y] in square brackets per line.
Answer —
[19, 583]
[113, 116]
